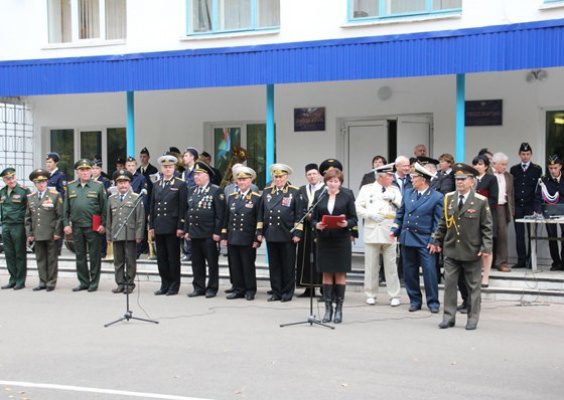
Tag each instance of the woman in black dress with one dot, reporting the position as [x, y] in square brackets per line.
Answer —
[487, 186]
[334, 246]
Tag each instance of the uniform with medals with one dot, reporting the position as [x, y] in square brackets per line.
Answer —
[120, 206]
[168, 208]
[239, 230]
[204, 220]
[278, 221]
[44, 221]
[13, 204]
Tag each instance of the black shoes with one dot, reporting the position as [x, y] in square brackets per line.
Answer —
[172, 293]
[196, 293]
[8, 286]
[307, 293]
[79, 288]
[414, 307]
[19, 287]
[519, 265]
[160, 292]
[230, 290]
[273, 298]
[249, 296]
[38, 288]
[285, 299]
[434, 310]
[471, 326]
[446, 324]
[463, 308]
[119, 289]
[210, 294]
[50, 288]
[235, 295]
[92, 289]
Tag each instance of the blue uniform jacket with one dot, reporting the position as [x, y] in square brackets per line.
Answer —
[417, 219]
[58, 181]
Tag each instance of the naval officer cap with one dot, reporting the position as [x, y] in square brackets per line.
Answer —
[39, 175]
[420, 170]
[201, 166]
[463, 171]
[329, 164]
[244, 172]
[167, 159]
[280, 169]
[192, 151]
[525, 147]
[554, 159]
[53, 156]
[8, 172]
[83, 163]
[427, 160]
[122, 175]
[385, 169]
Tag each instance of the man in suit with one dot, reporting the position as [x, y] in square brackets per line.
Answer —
[464, 236]
[120, 206]
[526, 176]
[57, 179]
[420, 151]
[377, 203]
[207, 158]
[166, 223]
[278, 222]
[505, 209]
[417, 218]
[306, 269]
[370, 177]
[44, 226]
[401, 178]
[204, 219]
[551, 191]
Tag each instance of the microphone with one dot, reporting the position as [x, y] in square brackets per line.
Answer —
[143, 192]
[323, 191]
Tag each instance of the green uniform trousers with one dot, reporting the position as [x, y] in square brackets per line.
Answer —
[125, 252]
[85, 238]
[47, 257]
[15, 251]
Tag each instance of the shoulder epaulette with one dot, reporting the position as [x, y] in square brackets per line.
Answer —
[268, 187]
[135, 194]
[98, 182]
[536, 166]
[53, 191]
[294, 187]
[232, 194]
[179, 178]
[255, 194]
[31, 194]
[73, 181]
[480, 197]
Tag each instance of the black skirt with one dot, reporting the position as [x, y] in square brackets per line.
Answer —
[334, 254]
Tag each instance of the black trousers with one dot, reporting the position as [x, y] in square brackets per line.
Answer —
[282, 261]
[205, 250]
[552, 230]
[168, 261]
[522, 253]
[242, 268]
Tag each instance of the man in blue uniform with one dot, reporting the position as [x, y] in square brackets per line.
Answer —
[57, 179]
[418, 217]
[526, 176]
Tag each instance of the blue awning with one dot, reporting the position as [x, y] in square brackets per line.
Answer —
[493, 48]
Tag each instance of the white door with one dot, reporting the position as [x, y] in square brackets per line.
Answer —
[364, 140]
[413, 130]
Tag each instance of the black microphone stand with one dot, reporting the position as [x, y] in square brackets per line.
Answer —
[128, 313]
[311, 319]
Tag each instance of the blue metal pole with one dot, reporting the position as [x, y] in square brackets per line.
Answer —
[269, 128]
[130, 124]
[460, 134]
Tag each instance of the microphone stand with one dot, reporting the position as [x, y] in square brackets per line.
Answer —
[128, 313]
[311, 318]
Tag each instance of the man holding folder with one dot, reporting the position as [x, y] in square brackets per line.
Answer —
[84, 217]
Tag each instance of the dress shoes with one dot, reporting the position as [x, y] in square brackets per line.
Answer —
[38, 288]
[128, 290]
[196, 293]
[92, 289]
[9, 286]
[235, 295]
[249, 296]
[269, 292]
[485, 285]
[79, 288]
[470, 326]
[160, 292]
[306, 293]
[19, 287]
[50, 288]
[519, 265]
[463, 308]
[446, 324]
[414, 307]
[172, 293]
[285, 299]
[119, 289]
[503, 268]
[434, 310]
[230, 290]
[273, 298]
[210, 294]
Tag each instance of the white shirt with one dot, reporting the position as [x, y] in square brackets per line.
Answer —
[502, 185]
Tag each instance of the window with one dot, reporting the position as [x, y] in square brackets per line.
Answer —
[213, 16]
[78, 20]
[16, 139]
[370, 9]
[554, 133]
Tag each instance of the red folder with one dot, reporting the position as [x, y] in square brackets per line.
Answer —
[332, 220]
[96, 222]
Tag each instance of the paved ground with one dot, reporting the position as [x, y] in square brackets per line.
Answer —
[221, 349]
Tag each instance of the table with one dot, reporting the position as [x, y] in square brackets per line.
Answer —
[535, 222]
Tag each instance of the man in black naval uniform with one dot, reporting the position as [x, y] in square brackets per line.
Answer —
[278, 222]
[551, 191]
[57, 179]
[526, 176]
[166, 222]
[204, 219]
[146, 168]
[239, 234]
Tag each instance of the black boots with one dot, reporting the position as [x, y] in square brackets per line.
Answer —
[340, 294]
[328, 296]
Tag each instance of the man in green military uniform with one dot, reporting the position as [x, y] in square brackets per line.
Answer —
[120, 206]
[13, 202]
[44, 225]
[84, 217]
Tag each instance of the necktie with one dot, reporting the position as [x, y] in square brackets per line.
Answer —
[278, 191]
[524, 166]
[418, 195]
[121, 197]
[40, 196]
[383, 189]
[460, 202]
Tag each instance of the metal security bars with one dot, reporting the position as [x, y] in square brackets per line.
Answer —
[16, 139]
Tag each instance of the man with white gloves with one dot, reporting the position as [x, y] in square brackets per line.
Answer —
[377, 203]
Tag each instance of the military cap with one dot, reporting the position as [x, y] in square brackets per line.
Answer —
[8, 172]
[420, 170]
[328, 164]
[122, 175]
[193, 151]
[244, 172]
[39, 175]
[554, 159]
[280, 169]
[97, 162]
[463, 171]
[205, 154]
[385, 169]
[167, 159]
[144, 151]
[120, 160]
[525, 147]
[130, 159]
[484, 151]
[174, 149]
[200, 166]
[427, 160]
[53, 156]
[311, 166]
[83, 163]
